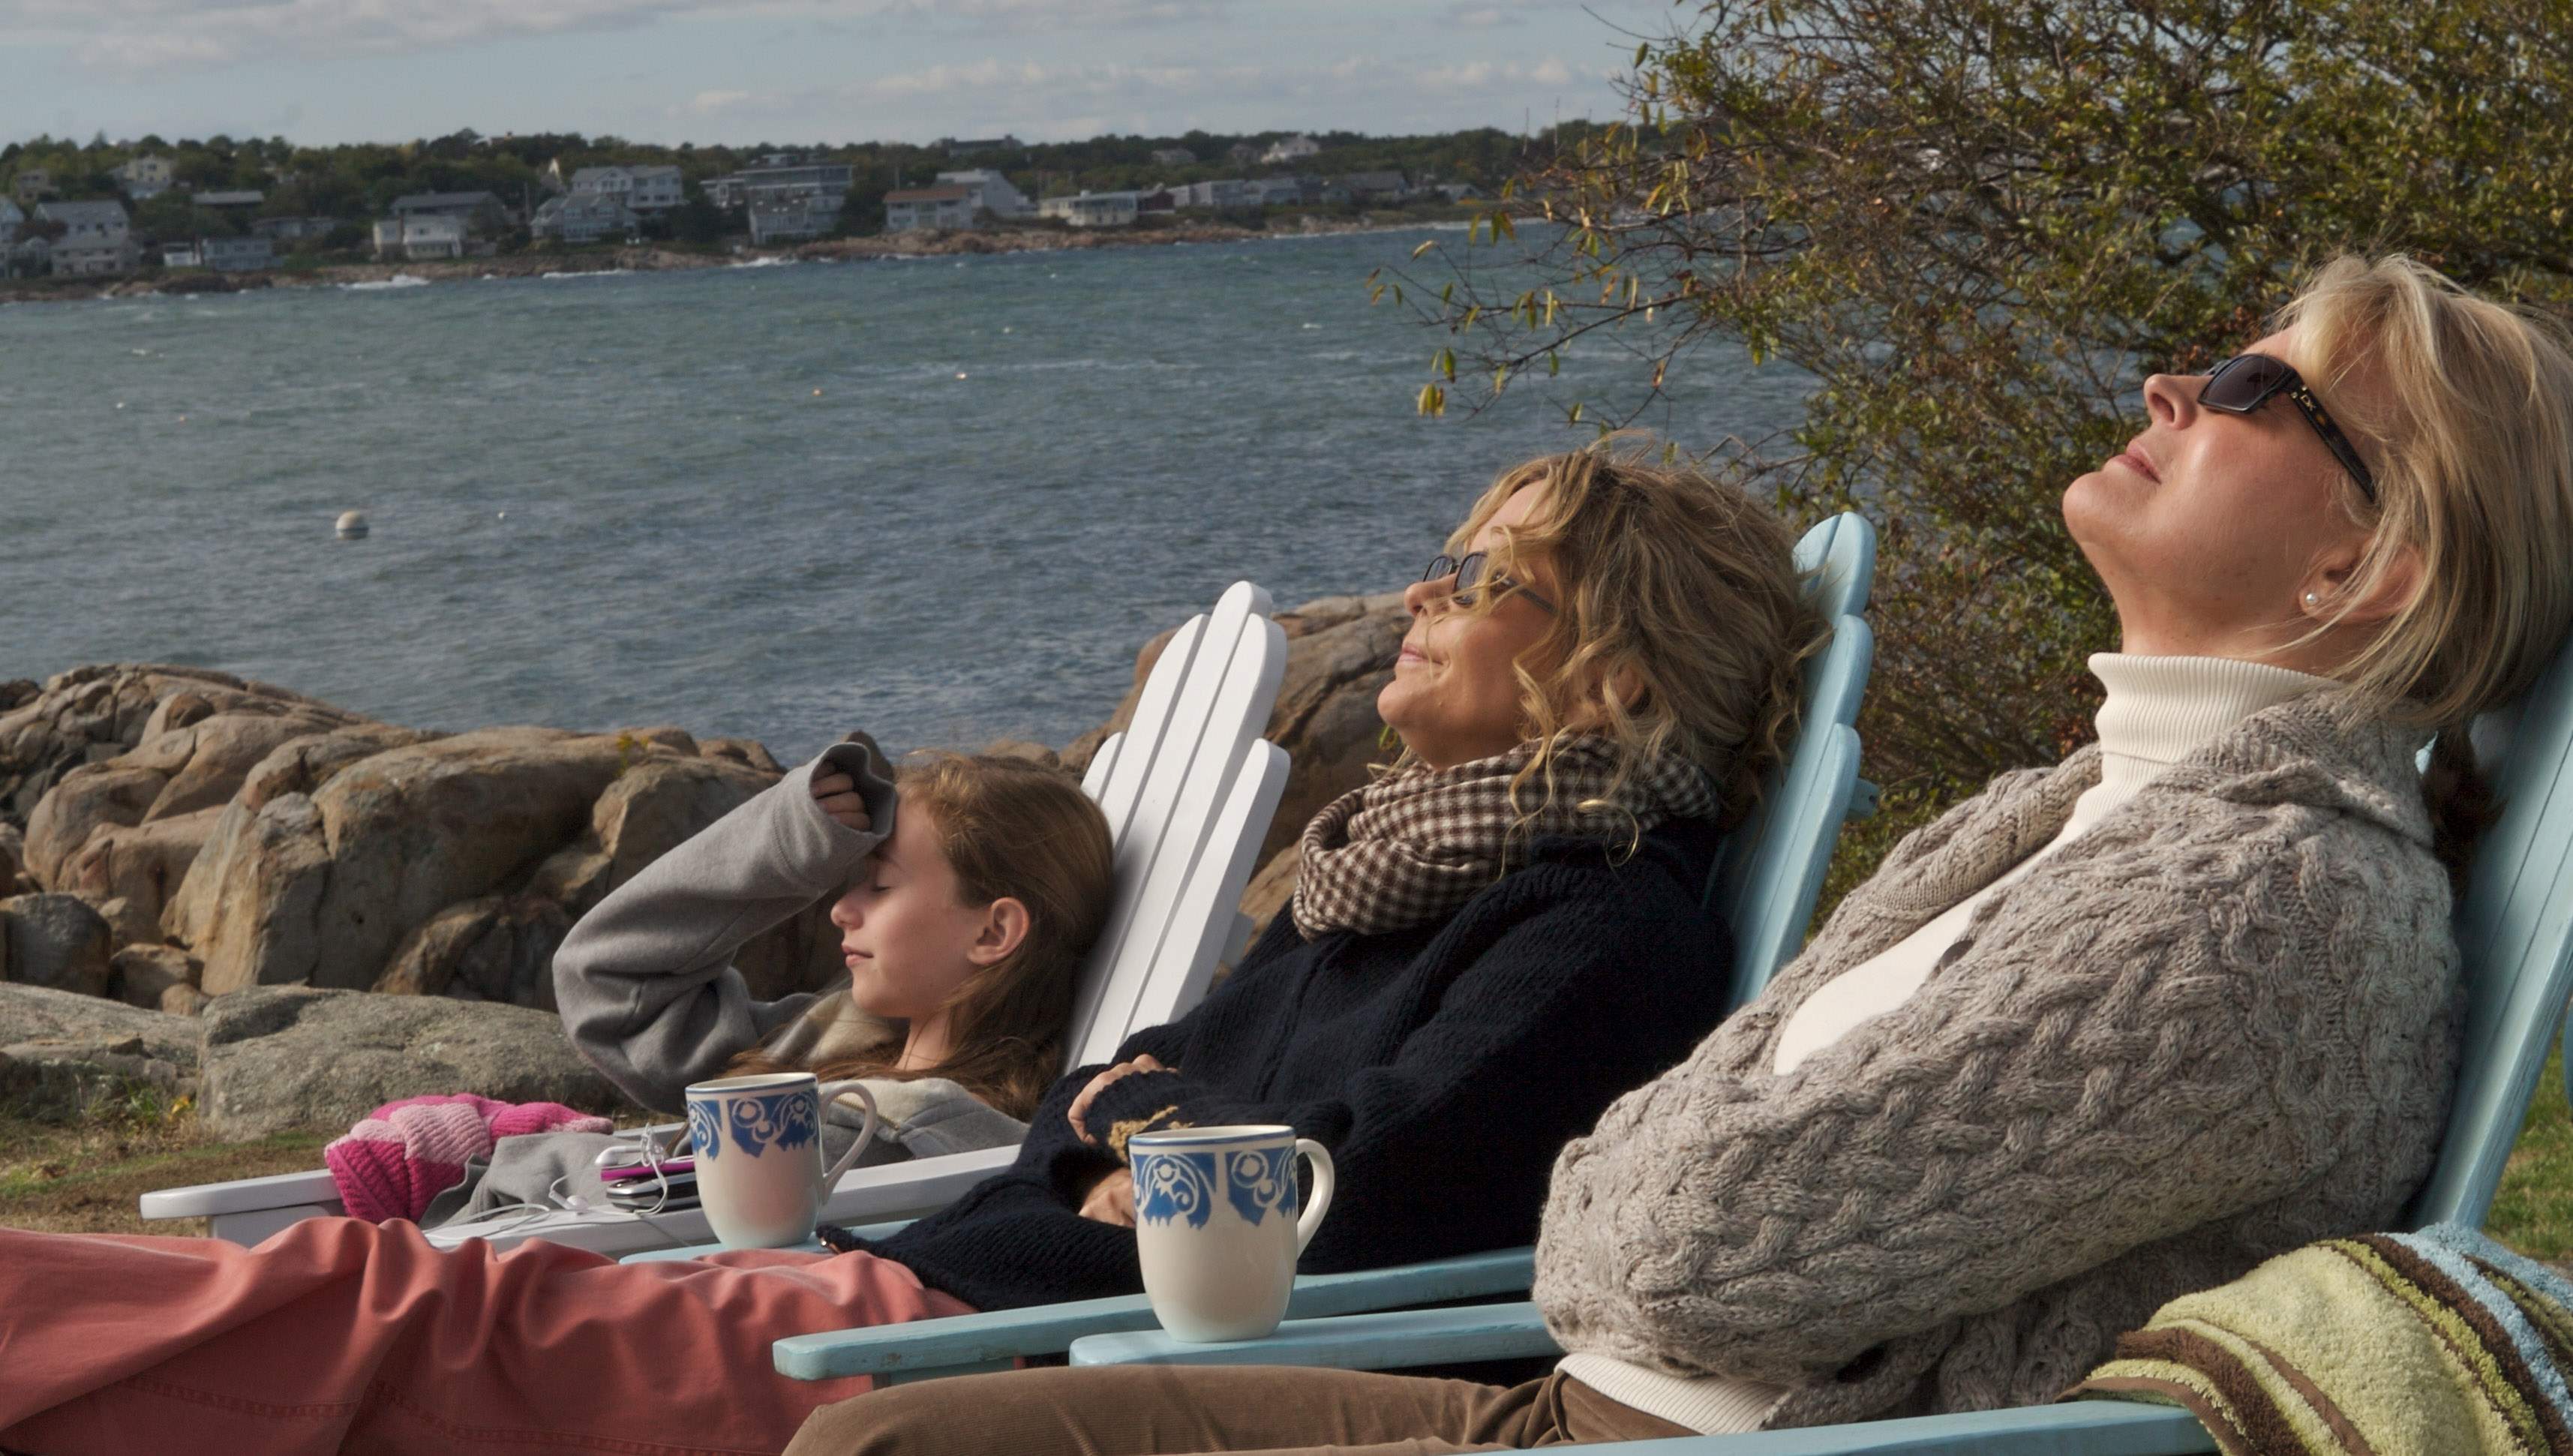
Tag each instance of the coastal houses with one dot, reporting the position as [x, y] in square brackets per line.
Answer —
[783, 178]
[96, 238]
[234, 254]
[1092, 208]
[30, 186]
[180, 254]
[475, 209]
[239, 201]
[644, 189]
[786, 219]
[989, 192]
[421, 236]
[291, 230]
[1376, 187]
[1216, 195]
[144, 177]
[585, 217]
[928, 207]
[1292, 149]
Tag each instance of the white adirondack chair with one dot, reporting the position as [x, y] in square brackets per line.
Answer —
[1188, 789]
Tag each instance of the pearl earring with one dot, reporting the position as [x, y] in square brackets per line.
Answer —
[2313, 599]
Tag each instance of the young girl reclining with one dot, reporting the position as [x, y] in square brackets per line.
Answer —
[955, 1043]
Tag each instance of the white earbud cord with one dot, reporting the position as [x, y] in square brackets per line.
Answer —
[646, 1149]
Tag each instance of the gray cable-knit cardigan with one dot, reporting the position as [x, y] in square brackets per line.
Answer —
[2220, 1025]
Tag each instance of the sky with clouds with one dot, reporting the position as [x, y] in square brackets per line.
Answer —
[741, 71]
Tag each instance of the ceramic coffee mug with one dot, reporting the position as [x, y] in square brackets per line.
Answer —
[1216, 1226]
[758, 1146]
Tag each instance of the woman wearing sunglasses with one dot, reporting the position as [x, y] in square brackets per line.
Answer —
[2106, 1033]
[1486, 946]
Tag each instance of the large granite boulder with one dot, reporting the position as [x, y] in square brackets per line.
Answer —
[92, 714]
[56, 940]
[454, 866]
[59, 1050]
[320, 888]
[144, 975]
[291, 1057]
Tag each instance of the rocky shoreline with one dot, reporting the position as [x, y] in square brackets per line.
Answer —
[221, 888]
[652, 258]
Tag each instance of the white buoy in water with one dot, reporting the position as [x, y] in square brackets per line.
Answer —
[353, 525]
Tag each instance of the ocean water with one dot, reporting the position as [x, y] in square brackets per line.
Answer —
[941, 499]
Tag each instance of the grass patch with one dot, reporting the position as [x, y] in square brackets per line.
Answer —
[85, 1173]
[2533, 1213]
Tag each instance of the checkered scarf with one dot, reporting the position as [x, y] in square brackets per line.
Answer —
[1412, 848]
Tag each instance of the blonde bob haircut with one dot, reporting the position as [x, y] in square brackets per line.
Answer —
[2468, 428]
[1680, 622]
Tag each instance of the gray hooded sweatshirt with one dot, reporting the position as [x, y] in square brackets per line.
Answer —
[649, 996]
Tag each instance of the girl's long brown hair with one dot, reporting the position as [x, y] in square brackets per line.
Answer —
[1010, 829]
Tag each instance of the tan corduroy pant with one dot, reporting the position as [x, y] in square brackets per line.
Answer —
[1164, 1410]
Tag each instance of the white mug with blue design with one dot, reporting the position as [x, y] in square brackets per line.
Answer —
[1218, 1227]
[757, 1141]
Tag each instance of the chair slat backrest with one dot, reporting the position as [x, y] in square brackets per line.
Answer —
[2515, 934]
[1164, 789]
[1771, 869]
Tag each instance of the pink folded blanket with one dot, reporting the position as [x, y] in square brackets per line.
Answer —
[409, 1152]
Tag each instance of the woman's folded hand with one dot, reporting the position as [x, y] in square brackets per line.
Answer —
[1111, 1198]
[1081, 1105]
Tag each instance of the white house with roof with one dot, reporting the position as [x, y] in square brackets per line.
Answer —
[989, 192]
[783, 220]
[226, 201]
[642, 189]
[1093, 209]
[1291, 148]
[180, 254]
[928, 207]
[1230, 192]
[145, 177]
[97, 236]
[584, 217]
[422, 235]
[781, 178]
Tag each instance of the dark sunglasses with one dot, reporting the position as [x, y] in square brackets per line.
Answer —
[2247, 382]
[1471, 573]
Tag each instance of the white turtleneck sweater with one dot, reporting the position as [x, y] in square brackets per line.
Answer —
[2158, 711]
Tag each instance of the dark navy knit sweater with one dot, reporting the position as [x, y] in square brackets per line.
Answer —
[1443, 1067]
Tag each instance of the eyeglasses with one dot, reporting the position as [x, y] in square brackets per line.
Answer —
[2247, 382]
[1472, 572]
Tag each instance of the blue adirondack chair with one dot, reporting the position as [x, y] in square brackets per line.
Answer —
[2515, 928]
[1766, 881]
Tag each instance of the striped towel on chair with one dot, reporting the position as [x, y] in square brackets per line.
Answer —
[2437, 1343]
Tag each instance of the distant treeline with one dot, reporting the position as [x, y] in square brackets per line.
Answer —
[358, 181]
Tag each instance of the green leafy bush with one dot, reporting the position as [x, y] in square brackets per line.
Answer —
[1976, 226]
